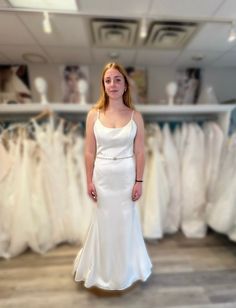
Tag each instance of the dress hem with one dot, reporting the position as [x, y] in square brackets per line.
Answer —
[116, 289]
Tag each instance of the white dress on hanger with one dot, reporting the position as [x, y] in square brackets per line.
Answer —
[7, 163]
[40, 204]
[222, 215]
[114, 254]
[74, 213]
[170, 154]
[214, 139]
[24, 223]
[193, 184]
[53, 186]
[154, 203]
[86, 205]
[177, 138]
[9, 197]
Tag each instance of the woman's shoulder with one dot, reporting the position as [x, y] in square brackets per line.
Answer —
[92, 114]
[137, 117]
[137, 114]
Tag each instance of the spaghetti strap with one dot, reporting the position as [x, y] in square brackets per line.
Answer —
[98, 114]
[132, 115]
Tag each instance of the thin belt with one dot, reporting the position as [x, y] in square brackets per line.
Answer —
[114, 158]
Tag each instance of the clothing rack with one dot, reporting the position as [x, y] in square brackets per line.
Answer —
[151, 113]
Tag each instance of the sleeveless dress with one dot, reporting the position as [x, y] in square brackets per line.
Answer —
[114, 254]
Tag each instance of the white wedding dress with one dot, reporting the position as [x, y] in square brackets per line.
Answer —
[114, 254]
[193, 222]
[170, 153]
[154, 203]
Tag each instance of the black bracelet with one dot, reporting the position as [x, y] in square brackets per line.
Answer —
[139, 181]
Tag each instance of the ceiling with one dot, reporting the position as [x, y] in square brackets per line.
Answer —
[73, 40]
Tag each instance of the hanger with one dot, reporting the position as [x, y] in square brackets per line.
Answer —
[46, 113]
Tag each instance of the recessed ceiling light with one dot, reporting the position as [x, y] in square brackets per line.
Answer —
[34, 58]
[68, 5]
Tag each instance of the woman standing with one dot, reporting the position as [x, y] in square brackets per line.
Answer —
[114, 254]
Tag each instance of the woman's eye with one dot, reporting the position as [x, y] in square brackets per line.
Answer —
[107, 81]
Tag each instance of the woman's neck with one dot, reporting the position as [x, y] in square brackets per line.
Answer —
[116, 105]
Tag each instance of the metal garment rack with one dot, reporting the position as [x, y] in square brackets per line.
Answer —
[151, 113]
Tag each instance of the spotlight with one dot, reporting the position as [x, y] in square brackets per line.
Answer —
[143, 28]
[47, 28]
[232, 33]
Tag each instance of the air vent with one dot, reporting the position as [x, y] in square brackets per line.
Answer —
[114, 32]
[170, 35]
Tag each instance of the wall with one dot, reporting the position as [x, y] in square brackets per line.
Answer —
[222, 80]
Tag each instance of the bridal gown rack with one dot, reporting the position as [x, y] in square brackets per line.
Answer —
[51, 165]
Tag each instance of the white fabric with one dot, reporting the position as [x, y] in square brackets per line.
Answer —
[114, 254]
[155, 200]
[213, 147]
[193, 184]
[170, 153]
[86, 205]
[222, 214]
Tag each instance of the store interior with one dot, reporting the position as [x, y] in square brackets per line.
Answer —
[182, 54]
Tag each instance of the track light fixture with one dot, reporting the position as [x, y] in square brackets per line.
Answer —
[232, 33]
[143, 28]
[47, 27]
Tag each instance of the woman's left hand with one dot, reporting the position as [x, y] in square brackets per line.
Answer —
[137, 191]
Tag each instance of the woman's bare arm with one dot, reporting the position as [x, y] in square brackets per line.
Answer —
[139, 146]
[90, 153]
[139, 155]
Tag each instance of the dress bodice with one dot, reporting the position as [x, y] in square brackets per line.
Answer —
[115, 142]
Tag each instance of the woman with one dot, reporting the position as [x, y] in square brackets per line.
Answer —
[114, 254]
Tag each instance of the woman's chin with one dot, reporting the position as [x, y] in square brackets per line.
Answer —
[115, 96]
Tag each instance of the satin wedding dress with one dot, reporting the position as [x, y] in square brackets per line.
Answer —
[114, 255]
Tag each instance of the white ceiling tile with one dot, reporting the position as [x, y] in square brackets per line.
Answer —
[68, 30]
[184, 8]
[4, 59]
[227, 60]
[13, 31]
[227, 10]
[4, 3]
[212, 36]
[103, 55]
[114, 7]
[15, 53]
[69, 55]
[233, 44]
[156, 57]
[185, 59]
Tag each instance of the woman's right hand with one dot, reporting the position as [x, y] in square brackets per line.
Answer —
[92, 192]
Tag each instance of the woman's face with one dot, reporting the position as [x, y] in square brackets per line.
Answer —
[72, 81]
[114, 83]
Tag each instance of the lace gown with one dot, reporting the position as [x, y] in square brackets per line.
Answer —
[114, 253]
